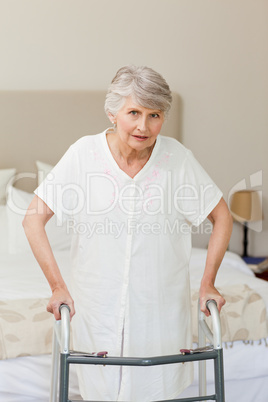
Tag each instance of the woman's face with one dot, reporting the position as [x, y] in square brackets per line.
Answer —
[138, 126]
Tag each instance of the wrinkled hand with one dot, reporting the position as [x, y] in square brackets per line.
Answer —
[59, 297]
[208, 292]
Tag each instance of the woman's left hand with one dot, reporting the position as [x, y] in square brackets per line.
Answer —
[209, 292]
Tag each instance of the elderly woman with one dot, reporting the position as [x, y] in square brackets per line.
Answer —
[134, 195]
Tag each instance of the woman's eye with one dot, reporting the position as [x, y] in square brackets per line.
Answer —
[133, 112]
[155, 115]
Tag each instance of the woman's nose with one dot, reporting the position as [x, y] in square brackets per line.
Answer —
[142, 124]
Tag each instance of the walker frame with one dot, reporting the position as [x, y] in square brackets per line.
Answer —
[62, 357]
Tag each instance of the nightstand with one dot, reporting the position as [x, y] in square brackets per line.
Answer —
[263, 275]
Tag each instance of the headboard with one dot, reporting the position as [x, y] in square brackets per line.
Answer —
[41, 125]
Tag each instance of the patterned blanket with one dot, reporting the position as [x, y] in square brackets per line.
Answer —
[26, 328]
[243, 317]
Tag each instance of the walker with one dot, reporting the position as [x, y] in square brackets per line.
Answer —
[62, 357]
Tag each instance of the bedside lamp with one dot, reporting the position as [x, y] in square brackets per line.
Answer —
[246, 207]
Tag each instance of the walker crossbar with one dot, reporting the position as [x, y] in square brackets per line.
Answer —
[203, 398]
[61, 342]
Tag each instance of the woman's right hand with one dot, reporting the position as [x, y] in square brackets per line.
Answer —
[60, 296]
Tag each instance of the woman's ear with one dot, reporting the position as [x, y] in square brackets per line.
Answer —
[112, 118]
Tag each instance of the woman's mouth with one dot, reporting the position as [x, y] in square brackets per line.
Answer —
[140, 137]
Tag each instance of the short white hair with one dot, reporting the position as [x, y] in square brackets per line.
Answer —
[146, 87]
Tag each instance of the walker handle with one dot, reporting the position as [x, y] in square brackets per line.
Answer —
[64, 305]
[214, 337]
[64, 310]
[208, 302]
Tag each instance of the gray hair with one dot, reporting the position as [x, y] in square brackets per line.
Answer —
[147, 88]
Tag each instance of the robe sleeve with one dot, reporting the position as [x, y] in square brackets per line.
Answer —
[196, 194]
[60, 189]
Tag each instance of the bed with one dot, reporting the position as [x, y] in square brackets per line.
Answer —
[35, 130]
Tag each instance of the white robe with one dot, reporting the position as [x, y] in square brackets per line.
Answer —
[130, 255]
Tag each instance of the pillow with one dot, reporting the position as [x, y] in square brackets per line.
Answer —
[43, 170]
[3, 229]
[17, 204]
[5, 177]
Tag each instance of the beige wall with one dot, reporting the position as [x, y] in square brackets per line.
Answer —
[214, 53]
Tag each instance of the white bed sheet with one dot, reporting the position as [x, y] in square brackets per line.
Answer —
[27, 379]
[21, 277]
[233, 271]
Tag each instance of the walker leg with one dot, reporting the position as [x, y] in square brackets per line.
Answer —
[202, 378]
[219, 376]
[64, 377]
[202, 364]
[55, 367]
